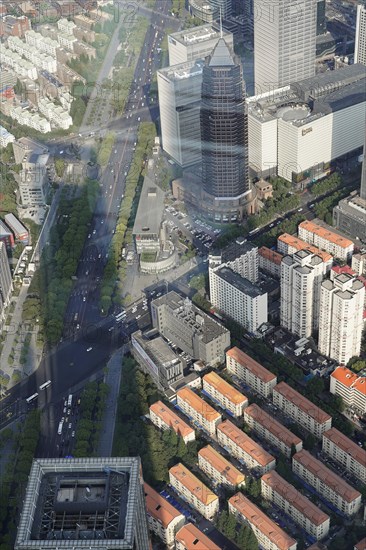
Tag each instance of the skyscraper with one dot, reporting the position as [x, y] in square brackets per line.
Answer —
[223, 126]
[284, 42]
[363, 175]
[6, 284]
[321, 23]
[360, 40]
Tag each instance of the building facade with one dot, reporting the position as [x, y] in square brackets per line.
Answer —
[195, 43]
[267, 427]
[341, 317]
[200, 412]
[270, 261]
[289, 244]
[250, 372]
[349, 386]
[224, 394]
[360, 40]
[301, 410]
[240, 256]
[329, 485]
[344, 451]
[164, 520]
[269, 535]
[191, 538]
[6, 282]
[337, 246]
[219, 469]
[191, 489]
[166, 419]
[244, 448]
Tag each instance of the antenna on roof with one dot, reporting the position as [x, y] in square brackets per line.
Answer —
[220, 23]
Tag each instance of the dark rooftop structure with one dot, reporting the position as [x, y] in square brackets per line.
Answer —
[237, 248]
[239, 282]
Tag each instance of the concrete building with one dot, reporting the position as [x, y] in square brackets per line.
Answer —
[38, 58]
[157, 359]
[191, 489]
[268, 428]
[347, 453]
[250, 372]
[301, 278]
[270, 261]
[360, 40]
[42, 43]
[20, 232]
[164, 520]
[331, 242]
[299, 130]
[14, 26]
[6, 283]
[202, 10]
[147, 226]
[284, 42]
[350, 386]
[349, 216]
[5, 137]
[301, 410]
[66, 27]
[359, 263]
[179, 89]
[289, 244]
[341, 317]
[6, 236]
[283, 495]
[195, 43]
[327, 484]
[244, 448]
[269, 535]
[33, 120]
[191, 538]
[217, 468]
[188, 327]
[71, 491]
[56, 114]
[224, 394]
[33, 183]
[200, 413]
[14, 61]
[240, 256]
[238, 298]
[166, 419]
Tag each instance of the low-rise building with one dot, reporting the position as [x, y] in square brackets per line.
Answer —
[269, 535]
[253, 374]
[359, 263]
[20, 232]
[329, 485]
[270, 261]
[242, 447]
[270, 429]
[301, 410]
[6, 236]
[335, 244]
[281, 493]
[350, 386]
[219, 469]
[164, 418]
[5, 137]
[41, 60]
[55, 113]
[224, 394]
[289, 244]
[191, 489]
[33, 120]
[347, 453]
[14, 61]
[191, 538]
[200, 412]
[361, 545]
[164, 520]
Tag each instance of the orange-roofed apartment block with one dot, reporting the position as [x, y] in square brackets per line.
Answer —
[289, 244]
[242, 447]
[164, 418]
[224, 394]
[191, 538]
[164, 520]
[277, 490]
[219, 469]
[350, 386]
[344, 451]
[301, 410]
[269, 535]
[191, 489]
[270, 261]
[328, 484]
[270, 429]
[200, 412]
[331, 242]
[253, 374]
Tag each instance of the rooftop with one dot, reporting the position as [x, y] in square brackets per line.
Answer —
[157, 349]
[347, 445]
[235, 249]
[245, 442]
[271, 255]
[350, 379]
[14, 224]
[198, 404]
[361, 545]
[272, 425]
[299, 244]
[302, 403]
[159, 508]
[193, 539]
[247, 362]
[295, 498]
[171, 419]
[221, 465]
[226, 389]
[239, 282]
[150, 210]
[199, 34]
[182, 70]
[325, 234]
[263, 523]
[193, 484]
[326, 476]
[221, 56]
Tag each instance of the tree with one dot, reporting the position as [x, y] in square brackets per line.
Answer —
[230, 527]
[246, 539]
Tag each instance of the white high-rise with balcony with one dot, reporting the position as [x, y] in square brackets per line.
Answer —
[360, 40]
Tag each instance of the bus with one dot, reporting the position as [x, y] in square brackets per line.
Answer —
[120, 316]
[60, 426]
[69, 401]
[32, 398]
[253, 231]
[45, 385]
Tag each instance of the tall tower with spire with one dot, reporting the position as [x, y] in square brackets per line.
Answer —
[224, 132]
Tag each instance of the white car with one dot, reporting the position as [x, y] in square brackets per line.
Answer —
[89, 349]
[84, 299]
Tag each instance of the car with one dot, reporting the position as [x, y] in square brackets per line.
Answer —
[86, 273]
[70, 426]
[73, 434]
[89, 235]
[84, 299]
[63, 419]
[115, 151]
[300, 209]
[77, 327]
[94, 231]
[138, 317]
[89, 349]
[99, 255]
[64, 410]
[138, 119]
[271, 224]
[311, 205]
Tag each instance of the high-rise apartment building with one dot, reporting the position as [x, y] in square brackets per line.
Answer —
[284, 42]
[240, 256]
[363, 175]
[195, 43]
[341, 317]
[224, 126]
[301, 277]
[360, 40]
